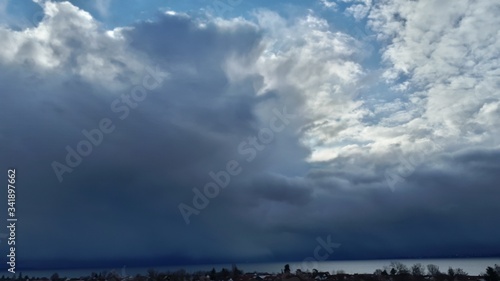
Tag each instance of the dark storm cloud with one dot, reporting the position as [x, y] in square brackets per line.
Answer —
[281, 189]
[121, 203]
[126, 192]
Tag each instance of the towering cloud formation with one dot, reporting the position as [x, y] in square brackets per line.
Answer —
[376, 157]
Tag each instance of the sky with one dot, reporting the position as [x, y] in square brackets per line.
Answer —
[190, 132]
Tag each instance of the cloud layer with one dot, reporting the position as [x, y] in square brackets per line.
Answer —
[398, 160]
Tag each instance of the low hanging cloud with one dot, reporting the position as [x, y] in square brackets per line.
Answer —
[324, 174]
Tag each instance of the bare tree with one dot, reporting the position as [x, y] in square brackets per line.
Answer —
[152, 274]
[54, 277]
[451, 273]
[401, 269]
[418, 270]
[460, 272]
[433, 269]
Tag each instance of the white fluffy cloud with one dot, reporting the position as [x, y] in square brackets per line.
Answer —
[448, 53]
[330, 4]
[323, 69]
[359, 9]
[444, 74]
[442, 77]
[69, 41]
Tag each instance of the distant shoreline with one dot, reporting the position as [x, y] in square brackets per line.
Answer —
[474, 266]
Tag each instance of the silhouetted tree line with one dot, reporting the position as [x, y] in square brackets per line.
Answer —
[396, 271]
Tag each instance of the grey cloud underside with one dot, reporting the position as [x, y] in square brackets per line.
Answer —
[122, 202]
